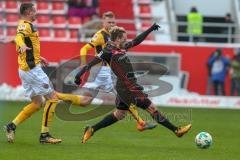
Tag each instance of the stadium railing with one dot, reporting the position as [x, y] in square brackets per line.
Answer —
[229, 36]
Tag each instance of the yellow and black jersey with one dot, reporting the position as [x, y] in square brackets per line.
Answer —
[27, 35]
[98, 42]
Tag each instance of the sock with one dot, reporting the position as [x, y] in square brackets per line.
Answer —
[75, 99]
[48, 113]
[11, 126]
[26, 113]
[43, 135]
[134, 112]
[107, 121]
[159, 118]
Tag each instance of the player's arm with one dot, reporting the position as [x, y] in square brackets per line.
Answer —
[7, 40]
[86, 68]
[19, 39]
[212, 59]
[96, 40]
[136, 41]
[44, 62]
[83, 52]
[23, 31]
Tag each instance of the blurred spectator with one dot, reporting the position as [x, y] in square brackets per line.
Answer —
[209, 80]
[228, 29]
[82, 8]
[194, 21]
[219, 70]
[235, 74]
[76, 3]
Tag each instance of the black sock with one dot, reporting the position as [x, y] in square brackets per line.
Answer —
[159, 118]
[46, 134]
[107, 121]
[11, 126]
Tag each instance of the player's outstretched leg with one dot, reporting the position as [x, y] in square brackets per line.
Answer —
[75, 99]
[159, 118]
[107, 121]
[48, 112]
[141, 124]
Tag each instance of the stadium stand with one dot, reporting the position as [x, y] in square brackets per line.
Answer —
[51, 14]
[140, 14]
[59, 21]
[1, 19]
[145, 10]
[1, 6]
[60, 34]
[43, 7]
[1, 31]
[74, 22]
[12, 19]
[11, 31]
[43, 20]
[45, 33]
[59, 8]
[11, 6]
[125, 5]
[73, 34]
[207, 29]
[214, 22]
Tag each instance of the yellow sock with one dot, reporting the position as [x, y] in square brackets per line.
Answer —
[48, 112]
[75, 99]
[134, 112]
[26, 113]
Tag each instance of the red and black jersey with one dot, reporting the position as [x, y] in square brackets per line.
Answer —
[117, 58]
[119, 63]
[127, 88]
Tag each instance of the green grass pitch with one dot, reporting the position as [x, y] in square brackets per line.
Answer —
[122, 140]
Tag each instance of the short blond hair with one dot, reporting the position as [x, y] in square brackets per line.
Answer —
[116, 32]
[108, 14]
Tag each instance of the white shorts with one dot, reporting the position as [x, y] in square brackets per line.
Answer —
[35, 82]
[102, 81]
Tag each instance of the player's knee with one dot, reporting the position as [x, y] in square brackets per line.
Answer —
[120, 114]
[38, 101]
[52, 97]
[39, 104]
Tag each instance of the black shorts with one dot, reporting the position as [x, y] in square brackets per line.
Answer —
[126, 97]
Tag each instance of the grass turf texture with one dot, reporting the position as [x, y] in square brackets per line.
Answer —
[122, 140]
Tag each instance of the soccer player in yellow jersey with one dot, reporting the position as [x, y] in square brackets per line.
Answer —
[34, 80]
[103, 79]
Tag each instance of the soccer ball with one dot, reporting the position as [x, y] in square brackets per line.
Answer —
[203, 140]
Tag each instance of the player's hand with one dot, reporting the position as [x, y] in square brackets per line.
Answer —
[77, 80]
[8, 40]
[155, 27]
[23, 49]
[44, 62]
